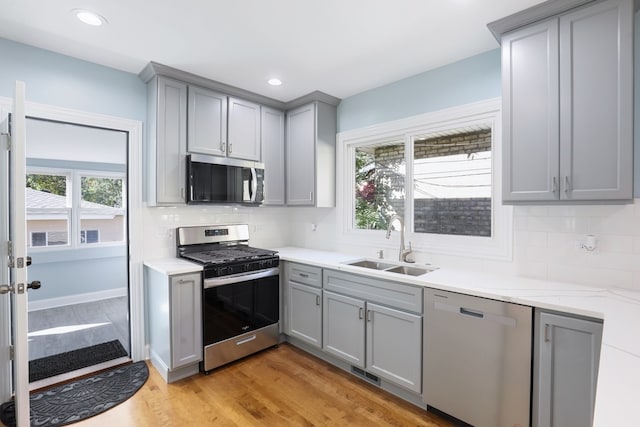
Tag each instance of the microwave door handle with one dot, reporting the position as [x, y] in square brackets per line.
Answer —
[254, 185]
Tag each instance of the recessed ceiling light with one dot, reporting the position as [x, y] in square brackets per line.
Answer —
[274, 82]
[89, 18]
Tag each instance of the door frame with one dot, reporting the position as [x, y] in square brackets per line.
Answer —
[135, 213]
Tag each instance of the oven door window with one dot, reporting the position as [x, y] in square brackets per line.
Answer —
[231, 310]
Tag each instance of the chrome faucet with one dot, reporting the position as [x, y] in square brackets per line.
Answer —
[404, 253]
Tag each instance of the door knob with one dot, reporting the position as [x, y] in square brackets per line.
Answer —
[34, 285]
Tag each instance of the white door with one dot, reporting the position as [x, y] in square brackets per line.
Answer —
[18, 263]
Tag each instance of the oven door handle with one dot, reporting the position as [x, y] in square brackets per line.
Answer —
[242, 277]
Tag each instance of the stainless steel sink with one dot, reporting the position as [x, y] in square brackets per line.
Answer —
[375, 265]
[411, 271]
[391, 268]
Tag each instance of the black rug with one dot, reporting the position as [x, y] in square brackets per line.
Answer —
[76, 359]
[78, 400]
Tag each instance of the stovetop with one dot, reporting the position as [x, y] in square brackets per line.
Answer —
[224, 254]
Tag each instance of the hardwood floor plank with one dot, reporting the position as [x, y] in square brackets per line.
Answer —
[277, 387]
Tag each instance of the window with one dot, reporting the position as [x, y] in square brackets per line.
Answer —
[437, 172]
[89, 236]
[452, 183]
[98, 217]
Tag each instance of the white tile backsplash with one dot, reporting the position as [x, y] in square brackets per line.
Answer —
[545, 240]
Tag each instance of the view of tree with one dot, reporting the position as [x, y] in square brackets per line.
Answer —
[372, 194]
[104, 191]
[54, 184]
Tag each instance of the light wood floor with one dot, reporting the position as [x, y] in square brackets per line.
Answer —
[278, 387]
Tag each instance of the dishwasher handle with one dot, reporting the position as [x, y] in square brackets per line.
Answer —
[467, 312]
[462, 311]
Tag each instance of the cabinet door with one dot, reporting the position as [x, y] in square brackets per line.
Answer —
[305, 313]
[272, 138]
[565, 370]
[244, 130]
[530, 87]
[596, 102]
[343, 328]
[207, 122]
[301, 170]
[186, 320]
[394, 346]
[169, 170]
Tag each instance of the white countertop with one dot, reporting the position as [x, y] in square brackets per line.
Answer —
[618, 389]
[171, 266]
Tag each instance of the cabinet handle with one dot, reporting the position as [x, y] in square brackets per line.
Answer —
[566, 183]
[547, 331]
[369, 315]
[305, 275]
[223, 146]
[554, 185]
[360, 313]
[183, 281]
[310, 196]
[230, 148]
[317, 299]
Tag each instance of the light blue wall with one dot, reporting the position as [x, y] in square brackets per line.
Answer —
[68, 82]
[473, 79]
[71, 83]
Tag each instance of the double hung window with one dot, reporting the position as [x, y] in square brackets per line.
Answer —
[72, 209]
[436, 171]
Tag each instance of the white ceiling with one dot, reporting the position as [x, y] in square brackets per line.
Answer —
[340, 47]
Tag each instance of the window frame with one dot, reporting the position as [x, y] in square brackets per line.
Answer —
[498, 246]
[74, 197]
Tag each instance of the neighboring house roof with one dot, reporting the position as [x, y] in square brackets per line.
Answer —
[43, 200]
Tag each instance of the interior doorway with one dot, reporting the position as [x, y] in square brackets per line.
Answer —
[78, 240]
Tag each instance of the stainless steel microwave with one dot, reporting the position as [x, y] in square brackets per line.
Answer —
[224, 180]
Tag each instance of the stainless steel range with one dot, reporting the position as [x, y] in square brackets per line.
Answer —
[240, 295]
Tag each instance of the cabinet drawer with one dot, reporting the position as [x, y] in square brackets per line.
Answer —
[390, 294]
[307, 274]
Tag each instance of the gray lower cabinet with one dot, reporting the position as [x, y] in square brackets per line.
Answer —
[173, 305]
[304, 313]
[568, 105]
[303, 302]
[367, 323]
[166, 143]
[566, 357]
[343, 328]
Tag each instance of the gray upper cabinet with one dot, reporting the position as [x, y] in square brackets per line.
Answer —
[566, 357]
[531, 134]
[568, 106]
[272, 136]
[207, 132]
[244, 130]
[310, 147]
[166, 143]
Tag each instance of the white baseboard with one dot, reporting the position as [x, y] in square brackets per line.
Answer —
[76, 299]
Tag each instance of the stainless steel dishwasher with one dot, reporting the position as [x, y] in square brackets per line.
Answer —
[477, 359]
